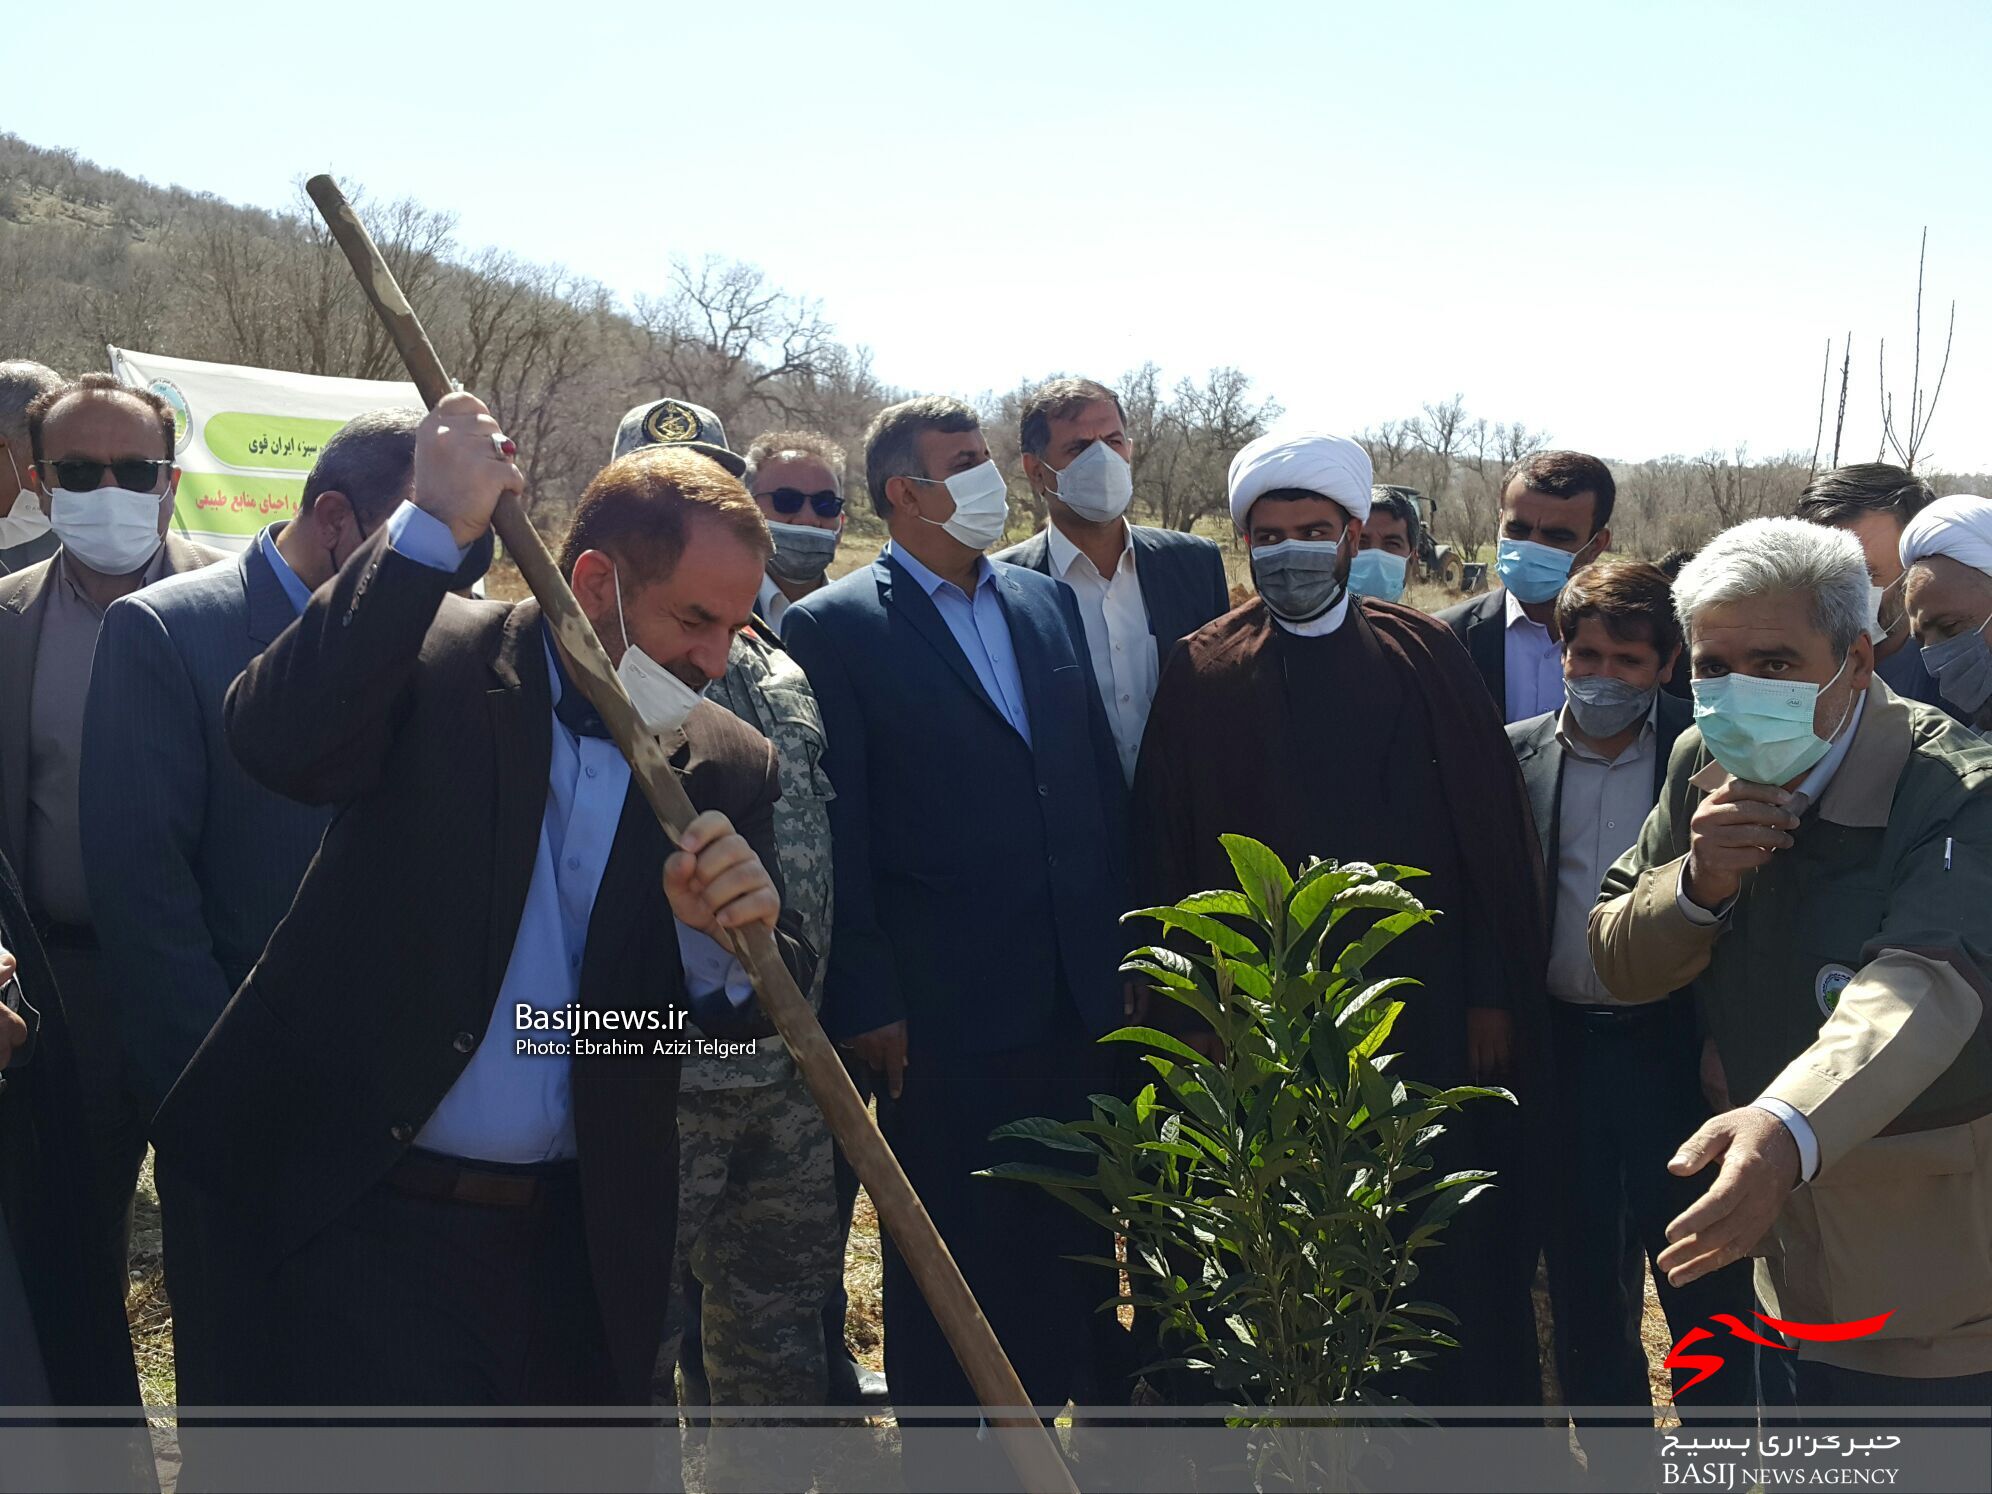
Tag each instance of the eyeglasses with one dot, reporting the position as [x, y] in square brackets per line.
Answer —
[79, 475]
[790, 501]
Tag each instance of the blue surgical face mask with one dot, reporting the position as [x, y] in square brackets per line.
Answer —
[1534, 573]
[1377, 573]
[1761, 730]
[1962, 668]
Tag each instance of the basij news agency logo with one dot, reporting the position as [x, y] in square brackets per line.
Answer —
[1706, 1364]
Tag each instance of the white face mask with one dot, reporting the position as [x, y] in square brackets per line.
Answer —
[27, 521]
[114, 531]
[1878, 603]
[982, 505]
[662, 700]
[1097, 484]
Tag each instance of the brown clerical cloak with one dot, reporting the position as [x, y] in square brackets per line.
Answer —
[1378, 742]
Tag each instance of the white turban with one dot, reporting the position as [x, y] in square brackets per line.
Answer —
[1959, 526]
[1333, 466]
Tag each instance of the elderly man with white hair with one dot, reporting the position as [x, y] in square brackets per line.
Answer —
[1356, 730]
[1819, 871]
[1946, 553]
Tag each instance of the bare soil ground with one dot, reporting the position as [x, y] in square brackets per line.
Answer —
[152, 1319]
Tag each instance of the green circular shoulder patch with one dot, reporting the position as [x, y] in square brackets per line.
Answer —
[1828, 984]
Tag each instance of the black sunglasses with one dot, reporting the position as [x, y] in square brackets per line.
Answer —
[79, 475]
[790, 501]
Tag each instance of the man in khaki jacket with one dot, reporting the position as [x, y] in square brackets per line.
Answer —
[1819, 870]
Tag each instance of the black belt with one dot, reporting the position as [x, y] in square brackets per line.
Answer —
[500, 1185]
[1632, 1017]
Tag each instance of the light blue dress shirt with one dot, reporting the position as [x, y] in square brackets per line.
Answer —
[981, 629]
[505, 1106]
[1534, 666]
[296, 590]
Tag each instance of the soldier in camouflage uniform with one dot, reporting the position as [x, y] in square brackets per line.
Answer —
[757, 1213]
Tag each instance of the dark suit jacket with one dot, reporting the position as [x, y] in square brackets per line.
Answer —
[1481, 626]
[20, 557]
[23, 605]
[66, 1269]
[191, 862]
[1541, 758]
[978, 876]
[1182, 580]
[426, 720]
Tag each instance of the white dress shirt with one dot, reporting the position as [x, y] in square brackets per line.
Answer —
[1534, 666]
[1814, 788]
[771, 603]
[1125, 665]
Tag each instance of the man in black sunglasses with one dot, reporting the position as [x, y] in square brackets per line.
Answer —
[102, 467]
[798, 479]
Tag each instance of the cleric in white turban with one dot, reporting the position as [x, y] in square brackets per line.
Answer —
[1322, 721]
[1947, 595]
[1300, 498]
[1301, 461]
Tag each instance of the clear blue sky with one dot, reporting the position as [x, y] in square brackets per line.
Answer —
[1634, 225]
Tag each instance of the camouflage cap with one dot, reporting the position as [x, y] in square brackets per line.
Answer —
[677, 422]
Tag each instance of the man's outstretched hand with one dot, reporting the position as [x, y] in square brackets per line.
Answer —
[1759, 1169]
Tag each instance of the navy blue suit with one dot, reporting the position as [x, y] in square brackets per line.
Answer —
[977, 876]
[1183, 584]
[191, 862]
[979, 880]
[191, 865]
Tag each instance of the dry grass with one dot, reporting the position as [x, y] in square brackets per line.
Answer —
[864, 1323]
[146, 1307]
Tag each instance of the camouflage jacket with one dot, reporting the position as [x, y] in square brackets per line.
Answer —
[765, 688]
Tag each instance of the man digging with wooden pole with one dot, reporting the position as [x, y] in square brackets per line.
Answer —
[357, 1083]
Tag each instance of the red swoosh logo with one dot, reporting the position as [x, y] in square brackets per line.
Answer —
[1817, 1333]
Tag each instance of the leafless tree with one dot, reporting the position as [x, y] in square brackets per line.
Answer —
[1205, 422]
[1389, 444]
[1908, 443]
[723, 335]
[1438, 431]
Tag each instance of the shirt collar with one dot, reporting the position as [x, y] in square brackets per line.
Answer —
[1517, 616]
[1322, 626]
[772, 601]
[1854, 783]
[294, 587]
[154, 570]
[929, 582]
[1828, 767]
[1065, 555]
[1571, 742]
